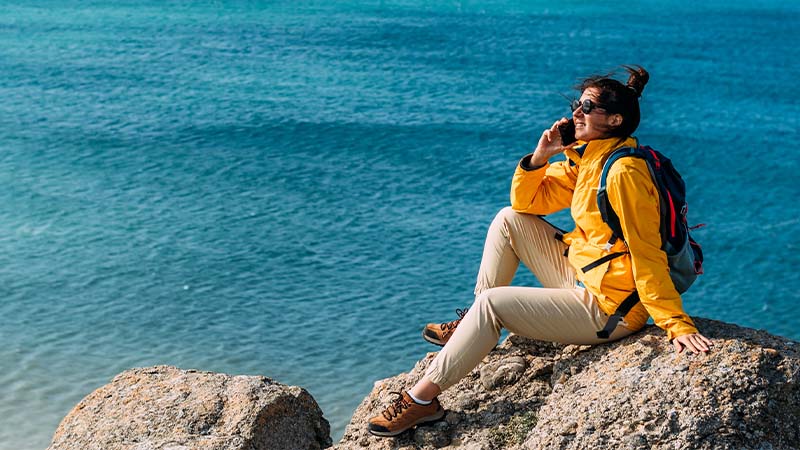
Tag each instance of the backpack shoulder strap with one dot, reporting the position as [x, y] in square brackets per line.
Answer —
[612, 220]
[606, 211]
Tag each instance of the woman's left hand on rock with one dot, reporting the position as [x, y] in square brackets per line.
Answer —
[695, 342]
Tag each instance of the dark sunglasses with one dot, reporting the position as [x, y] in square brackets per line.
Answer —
[586, 106]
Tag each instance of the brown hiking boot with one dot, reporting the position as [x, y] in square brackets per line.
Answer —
[439, 333]
[403, 414]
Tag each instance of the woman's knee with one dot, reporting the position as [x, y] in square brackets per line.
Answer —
[485, 307]
[506, 214]
[488, 301]
[503, 219]
[517, 223]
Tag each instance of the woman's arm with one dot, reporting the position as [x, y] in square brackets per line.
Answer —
[539, 187]
[634, 198]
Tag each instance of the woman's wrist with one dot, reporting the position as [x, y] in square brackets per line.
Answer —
[526, 164]
[537, 162]
[539, 158]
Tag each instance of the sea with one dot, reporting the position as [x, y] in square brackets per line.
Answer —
[294, 188]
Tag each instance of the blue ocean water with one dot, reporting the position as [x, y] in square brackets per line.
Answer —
[293, 188]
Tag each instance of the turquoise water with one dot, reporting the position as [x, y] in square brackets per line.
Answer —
[293, 189]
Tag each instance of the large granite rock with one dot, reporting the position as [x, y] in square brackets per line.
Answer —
[165, 408]
[634, 394]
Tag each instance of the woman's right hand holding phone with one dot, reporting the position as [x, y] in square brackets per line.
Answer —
[549, 144]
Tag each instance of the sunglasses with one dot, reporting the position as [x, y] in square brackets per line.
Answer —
[586, 106]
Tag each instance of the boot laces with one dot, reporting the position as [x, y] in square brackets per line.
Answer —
[397, 406]
[450, 326]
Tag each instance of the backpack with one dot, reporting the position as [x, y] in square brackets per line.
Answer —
[684, 255]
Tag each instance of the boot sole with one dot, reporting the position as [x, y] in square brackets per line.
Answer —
[432, 340]
[421, 420]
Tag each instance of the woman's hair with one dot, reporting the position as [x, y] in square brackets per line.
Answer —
[618, 98]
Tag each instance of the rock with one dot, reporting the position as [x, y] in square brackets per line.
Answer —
[453, 417]
[165, 408]
[639, 393]
[436, 436]
[633, 394]
[503, 372]
[465, 401]
[474, 412]
[540, 366]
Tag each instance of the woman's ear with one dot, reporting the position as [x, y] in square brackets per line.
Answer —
[615, 120]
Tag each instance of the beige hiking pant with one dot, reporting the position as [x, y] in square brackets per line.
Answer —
[558, 312]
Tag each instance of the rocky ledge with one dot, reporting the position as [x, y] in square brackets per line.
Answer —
[633, 394]
[636, 393]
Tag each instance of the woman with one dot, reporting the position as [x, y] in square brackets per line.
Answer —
[572, 305]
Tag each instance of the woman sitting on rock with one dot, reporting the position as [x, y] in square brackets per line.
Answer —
[573, 304]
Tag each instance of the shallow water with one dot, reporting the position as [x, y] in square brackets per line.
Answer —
[293, 189]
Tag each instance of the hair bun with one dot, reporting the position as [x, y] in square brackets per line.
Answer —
[638, 78]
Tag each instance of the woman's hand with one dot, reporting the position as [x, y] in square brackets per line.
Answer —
[695, 342]
[549, 144]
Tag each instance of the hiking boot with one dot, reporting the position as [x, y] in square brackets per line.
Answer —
[403, 414]
[439, 333]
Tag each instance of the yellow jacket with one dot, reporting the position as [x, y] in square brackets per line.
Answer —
[573, 183]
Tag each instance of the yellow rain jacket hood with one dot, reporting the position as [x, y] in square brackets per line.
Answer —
[573, 184]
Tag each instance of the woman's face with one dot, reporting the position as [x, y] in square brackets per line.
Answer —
[597, 123]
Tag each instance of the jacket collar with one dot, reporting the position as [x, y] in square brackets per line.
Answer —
[587, 152]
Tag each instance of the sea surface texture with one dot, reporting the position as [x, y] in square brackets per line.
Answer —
[294, 188]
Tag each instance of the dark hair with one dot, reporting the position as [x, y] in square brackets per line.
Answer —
[618, 98]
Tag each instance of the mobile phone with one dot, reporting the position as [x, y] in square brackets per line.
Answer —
[567, 132]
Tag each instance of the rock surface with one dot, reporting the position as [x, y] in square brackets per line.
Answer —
[634, 394]
[165, 408]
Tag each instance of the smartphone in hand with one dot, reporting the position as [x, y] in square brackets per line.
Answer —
[567, 132]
